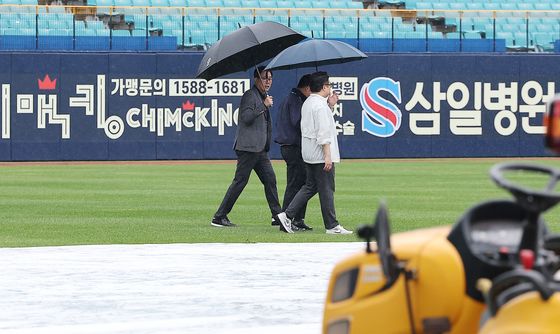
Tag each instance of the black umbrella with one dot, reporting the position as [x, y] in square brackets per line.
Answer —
[245, 48]
[315, 52]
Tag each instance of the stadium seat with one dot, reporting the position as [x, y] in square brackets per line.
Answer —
[525, 6]
[196, 3]
[440, 6]
[123, 3]
[86, 32]
[320, 4]
[368, 26]
[508, 6]
[307, 19]
[250, 3]
[540, 27]
[157, 3]
[139, 21]
[520, 39]
[366, 34]
[196, 37]
[233, 3]
[339, 4]
[285, 4]
[43, 24]
[354, 5]
[473, 6]
[452, 35]
[80, 25]
[491, 6]
[95, 25]
[105, 32]
[543, 6]
[435, 35]
[456, 6]
[170, 25]
[214, 3]
[315, 26]
[508, 36]
[300, 26]
[139, 3]
[423, 28]
[279, 19]
[267, 4]
[424, 5]
[544, 38]
[105, 3]
[207, 26]
[304, 4]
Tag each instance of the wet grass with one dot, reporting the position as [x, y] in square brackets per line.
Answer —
[71, 204]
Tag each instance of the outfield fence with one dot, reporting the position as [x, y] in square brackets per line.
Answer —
[149, 106]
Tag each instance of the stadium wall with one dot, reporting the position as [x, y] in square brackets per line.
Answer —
[148, 106]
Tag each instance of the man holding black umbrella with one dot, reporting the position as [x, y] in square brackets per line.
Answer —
[319, 149]
[252, 143]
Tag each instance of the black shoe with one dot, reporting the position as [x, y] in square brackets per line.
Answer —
[274, 222]
[222, 222]
[300, 225]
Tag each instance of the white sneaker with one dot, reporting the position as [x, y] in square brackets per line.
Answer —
[338, 229]
[285, 221]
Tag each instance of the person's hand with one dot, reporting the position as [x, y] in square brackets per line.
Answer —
[332, 100]
[268, 102]
[328, 164]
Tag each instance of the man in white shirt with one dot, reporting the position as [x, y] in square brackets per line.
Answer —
[319, 149]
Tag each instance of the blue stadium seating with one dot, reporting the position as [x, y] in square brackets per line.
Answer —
[475, 28]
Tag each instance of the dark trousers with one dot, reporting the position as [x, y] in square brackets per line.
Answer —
[296, 176]
[318, 181]
[246, 162]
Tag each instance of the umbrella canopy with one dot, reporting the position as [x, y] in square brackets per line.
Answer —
[245, 48]
[315, 52]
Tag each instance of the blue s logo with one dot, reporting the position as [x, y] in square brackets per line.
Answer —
[380, 117]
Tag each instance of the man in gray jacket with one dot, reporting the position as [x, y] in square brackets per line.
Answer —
[252, 143]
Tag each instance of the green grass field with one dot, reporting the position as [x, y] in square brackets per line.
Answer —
[70, 204]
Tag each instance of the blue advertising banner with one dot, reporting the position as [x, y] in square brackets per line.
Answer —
[147, 106]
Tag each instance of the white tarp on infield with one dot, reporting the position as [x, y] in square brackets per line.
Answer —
[178, 288]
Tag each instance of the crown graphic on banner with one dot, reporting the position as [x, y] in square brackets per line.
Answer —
[47, 83]
[188, 105]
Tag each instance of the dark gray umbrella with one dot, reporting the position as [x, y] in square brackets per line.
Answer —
[315, 52]
[245, 48]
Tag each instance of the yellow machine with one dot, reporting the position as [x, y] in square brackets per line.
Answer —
[523, 301]
[493, 272]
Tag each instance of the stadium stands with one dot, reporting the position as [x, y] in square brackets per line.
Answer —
[407, 25]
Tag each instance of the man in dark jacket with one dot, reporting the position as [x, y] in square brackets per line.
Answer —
[288, 135]
[252, 143]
